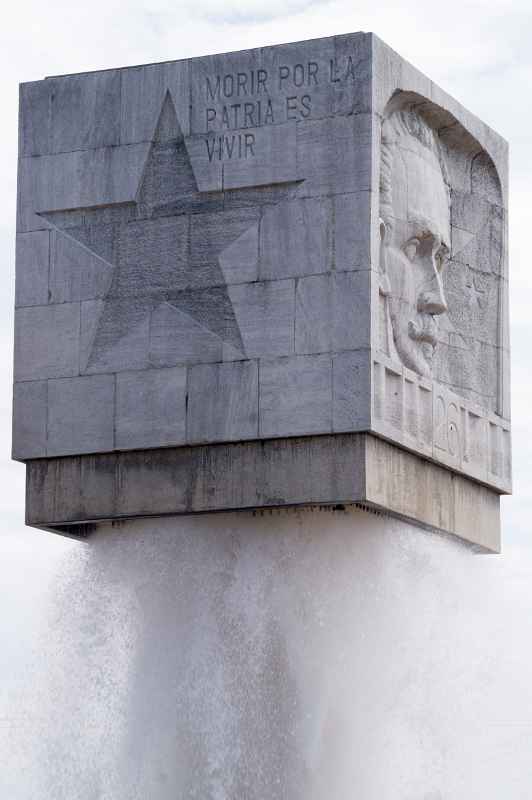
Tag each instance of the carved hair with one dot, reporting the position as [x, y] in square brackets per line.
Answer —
[397, 126]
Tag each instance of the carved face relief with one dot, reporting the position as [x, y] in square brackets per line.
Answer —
[415, 238]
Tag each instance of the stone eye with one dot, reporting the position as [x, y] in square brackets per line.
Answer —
[411, 248]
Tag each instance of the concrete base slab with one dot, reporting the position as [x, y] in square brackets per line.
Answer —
[71, 494]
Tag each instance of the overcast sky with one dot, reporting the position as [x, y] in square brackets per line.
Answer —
[479, 51]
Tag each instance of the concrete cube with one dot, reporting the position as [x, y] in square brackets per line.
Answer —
[306, 240]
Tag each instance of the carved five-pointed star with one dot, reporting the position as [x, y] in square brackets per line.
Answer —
[159, 252]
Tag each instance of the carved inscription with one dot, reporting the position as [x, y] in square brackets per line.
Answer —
[436, 422]
[240, 101]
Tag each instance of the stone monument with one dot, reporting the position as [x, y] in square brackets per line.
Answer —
[267, 278]
[269, 285]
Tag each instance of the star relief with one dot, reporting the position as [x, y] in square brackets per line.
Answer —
[161, 255]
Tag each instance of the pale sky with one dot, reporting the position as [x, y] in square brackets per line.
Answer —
[479, 51]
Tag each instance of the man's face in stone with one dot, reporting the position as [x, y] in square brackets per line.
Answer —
[416, 244]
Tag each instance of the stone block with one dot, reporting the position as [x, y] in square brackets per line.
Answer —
[176, 338]
[76, 273]
[143, 93]
[296, 396]
[265, 155]
[33, 264]
[35, 118]
[97, 477]
[333, 312]
[350, 73]
[351, 387]
[115, 336]
[68, 494]
[54, 486]
[478, 233]
[221, 81]
[264, 196]
[77, 180]
[334, 155]
[228, 239]
[208, 169]
[30, 402]
[86, 111]
[47, 341]
[296, 238]
[474, 314]
[160, 244]
[298, 77]
[471, 370]
[265, 315]
[81, 415]
[74, 112]
[160, 479]
[486, 181]
[477, 514]
[151, 408]
[352, 227]
[240, 259]
[223, 402]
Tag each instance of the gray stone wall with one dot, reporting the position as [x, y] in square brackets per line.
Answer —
[193, 250]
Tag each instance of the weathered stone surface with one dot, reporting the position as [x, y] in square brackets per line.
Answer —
[151, 408]
[76, 273]
[35, 113]
[177, 338]
[81, 415]
[351, 384]
[333, 312]
[333, 155]
[219, 81]
[228, 239]
[33, 265]
[435, 421]
[352, 227]
[299, 79]
[67, 493]
[405, 484]
[143, 93]
[288, 241]
[30, 405]
[76, 180]
[296, 239]
[115, 336]
[47, 341]
[269, 156]
[350, 73]
[223, 402]
[265, 316]
[74, 112]
[296, 396]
